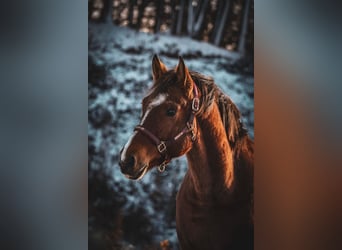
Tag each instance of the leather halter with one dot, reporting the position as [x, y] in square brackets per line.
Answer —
[189, 128]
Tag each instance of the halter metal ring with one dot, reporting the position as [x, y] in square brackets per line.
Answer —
[193, 135]
[190, 126]
[161, 147]
[162, 167]
[195, 104]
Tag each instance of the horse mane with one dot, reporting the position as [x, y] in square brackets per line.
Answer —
[230, 115]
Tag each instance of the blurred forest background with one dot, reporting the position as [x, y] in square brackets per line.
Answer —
[225, 23]
[215, 37]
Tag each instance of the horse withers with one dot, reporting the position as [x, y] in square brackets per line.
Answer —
[185, 112]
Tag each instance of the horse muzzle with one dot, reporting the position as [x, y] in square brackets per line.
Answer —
[131, 169]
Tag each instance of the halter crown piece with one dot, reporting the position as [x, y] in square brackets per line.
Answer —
[189, 128]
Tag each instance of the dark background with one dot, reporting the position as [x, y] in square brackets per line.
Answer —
[44, 125]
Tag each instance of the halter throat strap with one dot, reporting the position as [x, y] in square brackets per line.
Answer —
[189, 127]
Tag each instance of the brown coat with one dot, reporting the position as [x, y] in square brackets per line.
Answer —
[214, 203]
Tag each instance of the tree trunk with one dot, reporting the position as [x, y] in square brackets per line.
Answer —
[200, 18]
[180, 17]
[174, 15]
[244, 28]
[159, 15]
[107, 11]
[141, 9]
[196, 17]
[220, 23]
[130, 12]
[90, 8]
[219, 11]
[190, 18]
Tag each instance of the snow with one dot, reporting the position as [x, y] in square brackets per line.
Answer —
[115, 108]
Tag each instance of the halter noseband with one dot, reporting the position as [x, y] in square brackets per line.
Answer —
[189, 127]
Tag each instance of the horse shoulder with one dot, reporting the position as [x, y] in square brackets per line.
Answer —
[209, 224]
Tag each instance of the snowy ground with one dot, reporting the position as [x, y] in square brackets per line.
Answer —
[119, 75]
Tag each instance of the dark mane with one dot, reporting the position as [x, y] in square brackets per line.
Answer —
[230, 115]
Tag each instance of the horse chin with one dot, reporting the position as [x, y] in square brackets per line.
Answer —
[140, 174]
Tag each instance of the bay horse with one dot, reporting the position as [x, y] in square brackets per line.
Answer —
[185, 112]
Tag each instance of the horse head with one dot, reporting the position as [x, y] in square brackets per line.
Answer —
[167, 126]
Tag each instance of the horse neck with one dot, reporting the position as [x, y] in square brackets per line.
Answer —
[211, 166]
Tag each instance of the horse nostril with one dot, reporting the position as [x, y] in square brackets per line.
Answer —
[127, 165]
[130, 162]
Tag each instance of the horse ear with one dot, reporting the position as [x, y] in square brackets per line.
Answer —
[184, 75]
[158, 68]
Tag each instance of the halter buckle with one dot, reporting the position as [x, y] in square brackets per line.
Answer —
[162, 167]
[195, 104]
[161, 147]
[193, 135]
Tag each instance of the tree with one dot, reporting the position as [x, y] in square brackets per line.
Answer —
[179, 17]
[130, 12]
[220, 23]
[107, 11]
[196, 16]
[159, 15]
[244, 28]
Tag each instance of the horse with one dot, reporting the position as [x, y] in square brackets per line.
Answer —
[186, 113]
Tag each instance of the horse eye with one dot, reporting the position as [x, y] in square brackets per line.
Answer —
[171, 112]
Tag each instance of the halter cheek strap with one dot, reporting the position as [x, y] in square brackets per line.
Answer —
[189, 128]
